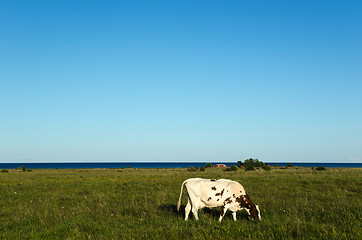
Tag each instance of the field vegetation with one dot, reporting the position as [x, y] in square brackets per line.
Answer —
[295, 203]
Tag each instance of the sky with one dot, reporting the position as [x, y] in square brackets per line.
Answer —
[189, 81]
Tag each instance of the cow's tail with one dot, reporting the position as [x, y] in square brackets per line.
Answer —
[179, 200]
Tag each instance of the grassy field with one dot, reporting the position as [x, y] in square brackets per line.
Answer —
[296, 203]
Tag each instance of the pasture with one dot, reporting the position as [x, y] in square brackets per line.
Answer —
[295, 203]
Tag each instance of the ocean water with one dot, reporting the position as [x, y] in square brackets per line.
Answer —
[76, 165]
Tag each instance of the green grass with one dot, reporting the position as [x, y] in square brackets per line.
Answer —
[296, 203]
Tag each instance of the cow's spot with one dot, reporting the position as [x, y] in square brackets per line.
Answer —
[228, 200]
[234, 195]
[212, 180]
[213, 188]
[220, 193]
[217, 199]
[209, 199]
[241, 201]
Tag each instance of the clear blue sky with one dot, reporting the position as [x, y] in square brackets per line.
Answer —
[180, 81]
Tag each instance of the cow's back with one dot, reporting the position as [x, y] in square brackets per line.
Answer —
[233, 186]
[203, 188]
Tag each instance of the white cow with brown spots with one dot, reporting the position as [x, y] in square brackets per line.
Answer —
[223, 193]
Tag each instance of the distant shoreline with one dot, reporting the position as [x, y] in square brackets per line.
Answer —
[80, 165]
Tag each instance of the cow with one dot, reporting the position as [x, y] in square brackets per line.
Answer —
[211, 193]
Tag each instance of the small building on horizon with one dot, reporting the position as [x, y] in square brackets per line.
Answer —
[219, 165]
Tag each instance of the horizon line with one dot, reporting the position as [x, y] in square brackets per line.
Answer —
[173, 162]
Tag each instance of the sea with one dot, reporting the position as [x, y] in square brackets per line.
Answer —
[79, 165]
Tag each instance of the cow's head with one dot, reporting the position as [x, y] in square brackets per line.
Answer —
[247, 204]
[254, 212]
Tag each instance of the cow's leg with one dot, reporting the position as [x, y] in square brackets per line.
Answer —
[194, 211]
[223, 211]
[234, 215]
[196, 206]
[187, 210]
[190, 202]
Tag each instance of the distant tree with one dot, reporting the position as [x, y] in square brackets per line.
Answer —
[231, 168]
[192, 169]
[23, 168]
[208, 165]
[289, 165]
[266, 168]
[202, 169]
[249, 168]
[240, 164]
[253, 162]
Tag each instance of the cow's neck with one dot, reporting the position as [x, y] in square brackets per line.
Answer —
[244, 201]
